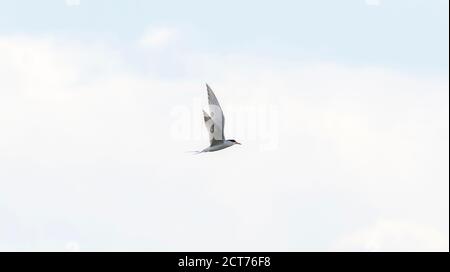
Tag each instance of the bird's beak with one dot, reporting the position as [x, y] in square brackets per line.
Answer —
[238, 143]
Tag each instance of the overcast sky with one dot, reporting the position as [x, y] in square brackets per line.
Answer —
[342, 108]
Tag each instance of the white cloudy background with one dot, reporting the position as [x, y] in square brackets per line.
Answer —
[345, 131]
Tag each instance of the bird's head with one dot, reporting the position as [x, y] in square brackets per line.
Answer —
[234, 142]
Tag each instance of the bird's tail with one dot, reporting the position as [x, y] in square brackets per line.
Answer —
[194, 152]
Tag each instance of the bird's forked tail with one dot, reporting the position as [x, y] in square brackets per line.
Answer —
[194, 152]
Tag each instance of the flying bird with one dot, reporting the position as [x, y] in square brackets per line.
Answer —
[215, 123]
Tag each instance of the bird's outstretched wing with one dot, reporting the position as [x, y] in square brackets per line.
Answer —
[215, 122]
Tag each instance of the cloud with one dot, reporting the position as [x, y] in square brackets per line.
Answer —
[89, 137]
[392, 235]
[159, 37]
[373, 2]
[72, 3]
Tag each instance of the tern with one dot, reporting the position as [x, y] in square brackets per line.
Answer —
[215, 123]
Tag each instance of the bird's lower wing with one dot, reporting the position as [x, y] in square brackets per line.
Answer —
[216, 114]
[215, 132]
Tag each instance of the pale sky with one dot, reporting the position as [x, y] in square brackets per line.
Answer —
[342, 108]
